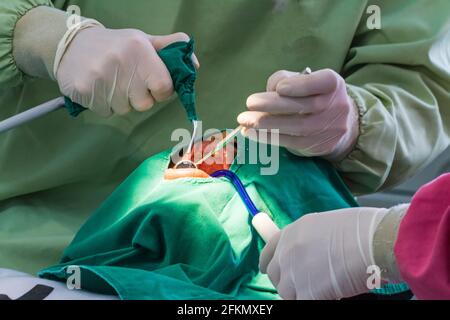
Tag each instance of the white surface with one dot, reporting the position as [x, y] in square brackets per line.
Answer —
[15, 284]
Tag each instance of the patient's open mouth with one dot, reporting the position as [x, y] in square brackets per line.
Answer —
[190, 167]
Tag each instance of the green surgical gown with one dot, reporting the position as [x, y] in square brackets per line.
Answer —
[56, 170]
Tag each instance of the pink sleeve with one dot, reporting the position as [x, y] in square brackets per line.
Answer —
[422, 249]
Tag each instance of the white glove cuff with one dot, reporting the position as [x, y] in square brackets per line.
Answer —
[67, 39]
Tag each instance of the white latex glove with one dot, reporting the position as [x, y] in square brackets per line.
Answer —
[115, 71]
[323, 256]
[314, 114]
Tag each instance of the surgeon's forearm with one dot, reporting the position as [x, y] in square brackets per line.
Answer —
[403, 127]
[401, 83]
[36, 39]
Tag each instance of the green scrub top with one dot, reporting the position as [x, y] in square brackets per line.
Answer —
[56, 170]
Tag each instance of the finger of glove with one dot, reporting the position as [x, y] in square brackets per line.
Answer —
[117, 96]
[277, 77]
[99, 102]
[160, 42]
[121, 105]
[274, 103]
[319, 82]
[158, 81]
[152, 70]
[268, 252]
[286, 288]
[273, 270]
[139, 96]
[294, 124]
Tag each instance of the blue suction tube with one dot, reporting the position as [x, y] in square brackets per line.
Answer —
[237, 183]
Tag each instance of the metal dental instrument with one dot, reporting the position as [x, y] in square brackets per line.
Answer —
[306, 71]
[222, 144]
[188, 164]
[195, 124]
[184, 164]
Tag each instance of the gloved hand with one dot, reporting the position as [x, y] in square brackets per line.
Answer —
[325, 256]
[115, 71]
[314, 114]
